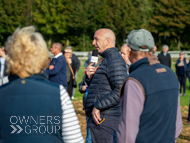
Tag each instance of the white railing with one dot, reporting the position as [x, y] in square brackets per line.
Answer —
[175, 54]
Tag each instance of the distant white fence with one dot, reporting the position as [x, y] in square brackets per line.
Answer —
[81, 55]
[174, 54]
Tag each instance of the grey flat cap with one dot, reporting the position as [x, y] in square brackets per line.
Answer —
[138, 38]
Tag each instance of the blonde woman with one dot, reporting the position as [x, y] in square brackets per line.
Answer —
[33, 109]
[68, 57]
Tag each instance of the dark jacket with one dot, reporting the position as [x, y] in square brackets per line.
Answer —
[161, 90]
[59, 73]
[103, 91]
[77, 61]
[165, 60]
[27, 105]
[188, 71]
[181, 70]
[70, 83]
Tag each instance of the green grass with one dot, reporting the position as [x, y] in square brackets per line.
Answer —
[78, 95]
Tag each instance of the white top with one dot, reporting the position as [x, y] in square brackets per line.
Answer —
[2, 66]
[3, 79]
[71, 131]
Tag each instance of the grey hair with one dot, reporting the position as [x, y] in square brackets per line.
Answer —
[69, 47]
[165, 46]
[126, 45]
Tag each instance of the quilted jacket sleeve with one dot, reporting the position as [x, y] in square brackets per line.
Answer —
[116, 73]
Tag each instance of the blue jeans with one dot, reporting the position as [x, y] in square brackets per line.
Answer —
[115, 137]
[88, 136]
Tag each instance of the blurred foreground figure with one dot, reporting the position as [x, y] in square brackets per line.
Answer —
[149, 96]
[32, 109]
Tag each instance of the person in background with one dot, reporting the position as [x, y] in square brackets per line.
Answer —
[70, 66]
[77, 65]
[153, 89]
[125, 51]
[181, 68]
[32, 109]
[57, 69]
[3, 66]
[164, 57]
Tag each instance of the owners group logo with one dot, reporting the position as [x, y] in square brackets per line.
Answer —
[35, 124]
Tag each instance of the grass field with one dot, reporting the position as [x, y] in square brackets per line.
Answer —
[184, 104]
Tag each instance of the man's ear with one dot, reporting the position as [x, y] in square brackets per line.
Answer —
[108, 41]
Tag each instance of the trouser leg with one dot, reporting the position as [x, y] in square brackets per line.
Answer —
[88, 136]
[184, 84]
[103, 133]
[180, 82]
[74, 88]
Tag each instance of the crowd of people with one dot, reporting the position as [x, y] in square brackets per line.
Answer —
[131, 96]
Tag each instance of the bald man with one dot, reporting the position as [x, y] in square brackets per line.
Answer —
[103, 103]
[57, 69]
[125, 51]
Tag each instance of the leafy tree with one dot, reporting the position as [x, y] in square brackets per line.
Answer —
[122, 17]
[49, 16]
[84, 19]
[12, 15]
[169, 19]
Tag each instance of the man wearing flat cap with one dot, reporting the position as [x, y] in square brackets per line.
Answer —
[149, 96]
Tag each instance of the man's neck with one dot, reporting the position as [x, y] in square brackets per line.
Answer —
[137, 59]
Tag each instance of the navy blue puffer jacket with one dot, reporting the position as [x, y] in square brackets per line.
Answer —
[104, 87]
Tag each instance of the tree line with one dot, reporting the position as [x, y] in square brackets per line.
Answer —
[73, 22]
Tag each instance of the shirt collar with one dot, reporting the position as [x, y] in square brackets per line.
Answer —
[129, 64]
[58, 55]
